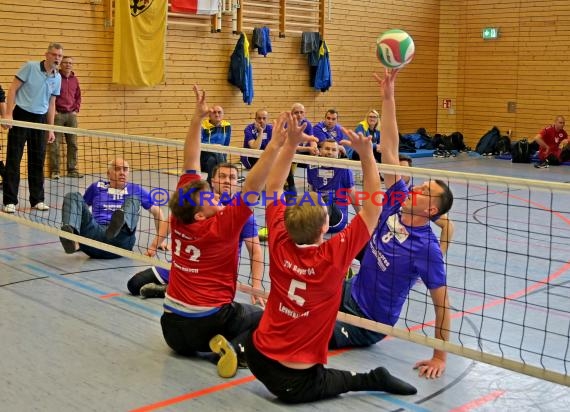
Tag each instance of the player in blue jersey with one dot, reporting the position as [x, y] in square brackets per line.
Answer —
[335, 184]
[446, 225]
[151, 282]
[403, 249]
[109, 212]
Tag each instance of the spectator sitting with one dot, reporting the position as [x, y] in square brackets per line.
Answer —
[215, 130]
[370, 126]
[553, 144]
[335, 184]
[256, 136]
[330, 129]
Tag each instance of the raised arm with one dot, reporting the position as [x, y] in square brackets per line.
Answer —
[353, 200]
[285, 131]
[389, 128]
[280, 168]
[192, 141]
[370, 212]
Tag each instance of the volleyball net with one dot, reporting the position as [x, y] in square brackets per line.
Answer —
[507, 263]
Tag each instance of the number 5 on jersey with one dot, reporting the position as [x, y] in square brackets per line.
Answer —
[291, 294]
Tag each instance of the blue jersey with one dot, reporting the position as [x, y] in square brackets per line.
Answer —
[250, 133]
[308, 128]
[37, 87]
[394, 258]
[328, 181]
[321, 132]
[104, 200]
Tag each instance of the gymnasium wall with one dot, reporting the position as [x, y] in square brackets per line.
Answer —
[526, 65]
[195, 55]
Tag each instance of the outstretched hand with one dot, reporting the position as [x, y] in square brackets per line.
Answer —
[362, 144]
[286, 128]
[386, 82]
[280, 129]
[296, 132]
[202, 110]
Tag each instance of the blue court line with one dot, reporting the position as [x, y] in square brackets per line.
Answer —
[7, 257]
[94, 290]
[402, 404]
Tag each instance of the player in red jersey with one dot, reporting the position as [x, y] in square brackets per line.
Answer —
[199, 308]
[288, 349]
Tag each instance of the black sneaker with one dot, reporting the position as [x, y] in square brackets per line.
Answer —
[152, 290]
[116, 224]
[382, 380]
[68, 245]
[542, 165]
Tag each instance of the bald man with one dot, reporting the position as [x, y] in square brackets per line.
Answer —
[108, 212]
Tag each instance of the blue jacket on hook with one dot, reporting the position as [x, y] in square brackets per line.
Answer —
[240, 73]
[323, 78]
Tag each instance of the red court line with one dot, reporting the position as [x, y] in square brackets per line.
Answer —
[478, 402]
[110, 295]
[212, 389]
[468, 406]
[193, 395]
[537, 284]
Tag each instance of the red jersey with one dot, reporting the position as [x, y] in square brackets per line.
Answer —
[552, 138]
[306, 288]
[205, 258]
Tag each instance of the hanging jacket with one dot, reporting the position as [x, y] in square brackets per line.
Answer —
[240, 73]
[262, 41]
[323, 77]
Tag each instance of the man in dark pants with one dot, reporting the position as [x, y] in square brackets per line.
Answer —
[67, 105]
[2, 114]
[31, 98]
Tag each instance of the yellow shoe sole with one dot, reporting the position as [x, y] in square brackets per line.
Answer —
[228, 363]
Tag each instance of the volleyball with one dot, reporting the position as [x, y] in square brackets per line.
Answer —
[395, 48]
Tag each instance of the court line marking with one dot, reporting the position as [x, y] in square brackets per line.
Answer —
[479, 401]
[205, 391]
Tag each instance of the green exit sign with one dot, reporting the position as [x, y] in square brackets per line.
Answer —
[490, 33]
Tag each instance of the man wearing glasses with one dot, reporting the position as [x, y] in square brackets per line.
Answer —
[31, 98]
[67, 106]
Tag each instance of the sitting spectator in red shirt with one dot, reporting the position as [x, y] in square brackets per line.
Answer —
[553, 144]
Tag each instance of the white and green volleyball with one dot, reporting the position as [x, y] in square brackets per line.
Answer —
[395, 48]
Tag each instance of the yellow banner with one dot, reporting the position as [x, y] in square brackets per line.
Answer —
[139, 42]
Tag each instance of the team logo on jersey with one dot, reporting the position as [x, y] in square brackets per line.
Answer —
[139, 6]
[397, 229]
